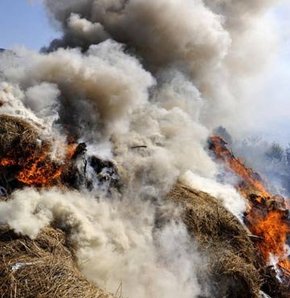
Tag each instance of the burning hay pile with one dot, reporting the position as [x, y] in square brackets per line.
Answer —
[43, 267]
[267, 218]
[116, 111]
[23, 154]
[25, 159]
[233, 261]
[47, 266]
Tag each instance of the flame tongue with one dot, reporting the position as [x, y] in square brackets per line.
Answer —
[267, 216]
[273, 229]
[250, 181]
[38, 169]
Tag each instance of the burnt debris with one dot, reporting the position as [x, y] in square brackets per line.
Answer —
[25, 160]
[90, 172]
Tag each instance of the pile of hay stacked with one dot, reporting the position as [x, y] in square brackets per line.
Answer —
[233, 265]
[17, 137]
[43, 267]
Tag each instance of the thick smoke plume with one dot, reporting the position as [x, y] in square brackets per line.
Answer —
[217, 44]
[143, 82]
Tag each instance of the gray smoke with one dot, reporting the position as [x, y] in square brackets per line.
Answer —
[216, 43]
[117, 242]
[144, 82]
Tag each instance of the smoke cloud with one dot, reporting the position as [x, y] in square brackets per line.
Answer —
[218, 44]
[226, 193]
[117, 241]
[144, 82]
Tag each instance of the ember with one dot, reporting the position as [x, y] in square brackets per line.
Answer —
[5, 162]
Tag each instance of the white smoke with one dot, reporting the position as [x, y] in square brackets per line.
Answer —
[116, 88]
[49, 94]
[11, 99]
[117, 241]
[146, 80]
[220, 44]
[226, 193]
[112, 81]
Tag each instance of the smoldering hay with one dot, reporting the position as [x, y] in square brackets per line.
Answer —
[141, 82]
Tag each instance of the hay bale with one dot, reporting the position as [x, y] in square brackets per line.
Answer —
[43, 267]
[232, 262]
[17, 136]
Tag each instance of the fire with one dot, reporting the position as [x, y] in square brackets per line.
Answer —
[39, 172]
[5, 162]
[285, 265]
[39, 169]
[70, 150]
[250, 180]
[273, 230]
[267, 214]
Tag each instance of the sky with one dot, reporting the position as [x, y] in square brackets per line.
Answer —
[272, 97]
[25, 23]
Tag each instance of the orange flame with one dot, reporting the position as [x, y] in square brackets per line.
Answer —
[273, 230]
[271, 225]
[39, 172]
[6, 162]
[39, 169]
[250, 179]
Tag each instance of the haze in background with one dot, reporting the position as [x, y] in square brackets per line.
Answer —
[269, 112]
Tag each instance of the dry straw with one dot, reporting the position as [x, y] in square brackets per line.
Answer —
[41, 268]
[17, 136]
[232, 257]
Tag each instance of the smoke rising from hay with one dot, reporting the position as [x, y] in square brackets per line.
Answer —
[117, 242]
[150, 80]
[226, 193]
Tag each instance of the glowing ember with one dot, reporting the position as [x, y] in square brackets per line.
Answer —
[5, 162]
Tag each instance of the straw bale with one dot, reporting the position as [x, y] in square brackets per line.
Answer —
[41, 268]
[232, 262]
[17, 135]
